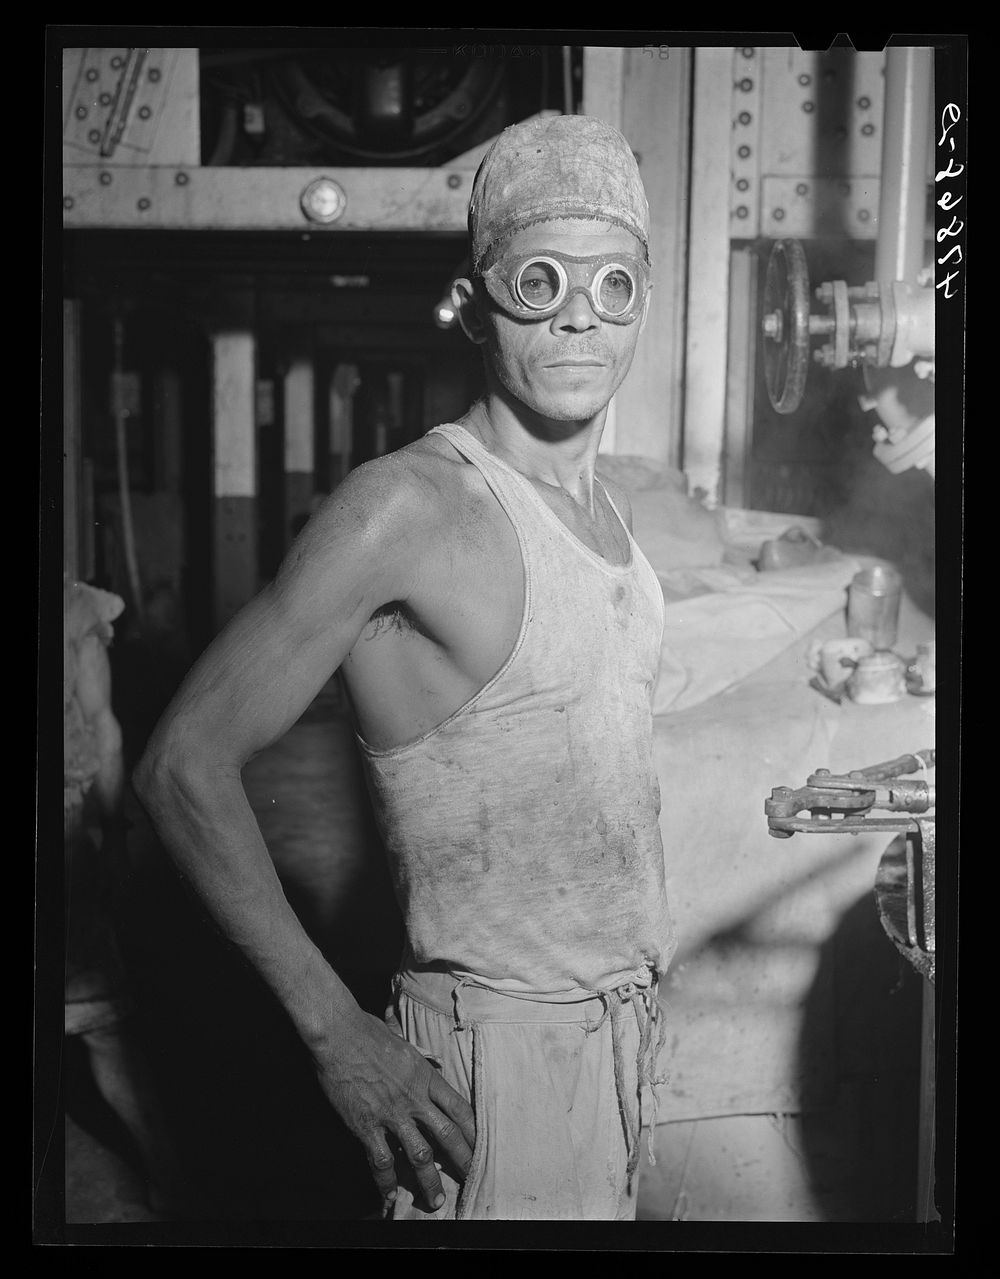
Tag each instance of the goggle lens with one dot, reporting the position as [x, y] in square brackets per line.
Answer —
[615, 288]
[540, 283]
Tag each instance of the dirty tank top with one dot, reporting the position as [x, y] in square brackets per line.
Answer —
[522, 832]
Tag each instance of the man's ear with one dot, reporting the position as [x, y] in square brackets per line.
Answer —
[467, 307]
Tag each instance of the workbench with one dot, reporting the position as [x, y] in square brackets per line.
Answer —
[790, 1013]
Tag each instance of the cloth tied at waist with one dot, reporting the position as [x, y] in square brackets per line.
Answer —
[469, 1001]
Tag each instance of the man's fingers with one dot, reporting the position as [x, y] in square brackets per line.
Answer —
[450, 1143]
[382, 1164]
[416, 1114]
[420, 1153]
[455, 1107]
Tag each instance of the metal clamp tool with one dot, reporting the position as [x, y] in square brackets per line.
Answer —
[839, 804]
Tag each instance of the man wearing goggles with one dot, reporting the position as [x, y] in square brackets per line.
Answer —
[539, 286]
[504, 723]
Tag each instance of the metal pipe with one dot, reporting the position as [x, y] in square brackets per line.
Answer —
[899, 252]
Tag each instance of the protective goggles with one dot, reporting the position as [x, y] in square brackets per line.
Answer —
[536, 287]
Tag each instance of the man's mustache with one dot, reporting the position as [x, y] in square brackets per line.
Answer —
[572, 351]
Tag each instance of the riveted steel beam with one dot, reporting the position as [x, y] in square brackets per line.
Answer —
[186, 198]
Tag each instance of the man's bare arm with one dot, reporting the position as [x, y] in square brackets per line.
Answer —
[253, 682]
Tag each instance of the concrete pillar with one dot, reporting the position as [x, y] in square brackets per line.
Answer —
[708, 275]
[300, 449]
[604, 83]
[644, 92]
[235, 572]
[740, 380]
[656, 121]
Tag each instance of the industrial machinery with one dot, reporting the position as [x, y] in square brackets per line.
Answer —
[879, 324]
[349, 106]
[887, 323]
[841, 804]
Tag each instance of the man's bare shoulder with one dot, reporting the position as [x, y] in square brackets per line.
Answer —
[403, 498]
[401, 485]
[434, 459]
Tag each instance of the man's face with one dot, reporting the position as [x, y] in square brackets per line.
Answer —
[565, 367]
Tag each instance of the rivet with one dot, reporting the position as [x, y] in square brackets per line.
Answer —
[145, 113]
[743, 184]
[94, 135]
[747, 53]
[746, 84]
[181, 179]
[744, 117]
[864, 103]
[742, 211]
[67, 202]
[144, 203]
[454, 181]
[802, 188]
[867, 130]
[323, 200]
[117, 62]
[154, 74]
[81, 113]
[778, 215]
[105, 178]
[105, 99]
[92, 74]
[863, 215]
[805, 79]
[743, 152]
[809, 106]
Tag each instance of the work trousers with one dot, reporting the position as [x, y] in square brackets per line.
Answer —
[557, 1087]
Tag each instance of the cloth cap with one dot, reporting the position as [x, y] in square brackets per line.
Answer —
[562, 166]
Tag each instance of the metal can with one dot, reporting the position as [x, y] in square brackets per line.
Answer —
[921, 673]
[877, 678]
[873, 605]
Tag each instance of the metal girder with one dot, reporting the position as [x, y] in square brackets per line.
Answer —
[264, 199]
[130, 106]
[804, 208]
[805, 143]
